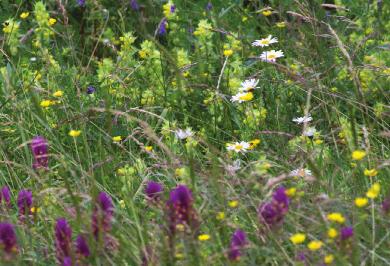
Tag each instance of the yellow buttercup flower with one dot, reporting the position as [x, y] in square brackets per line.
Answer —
[148, 148]
[358, 155]
[117, 139]
[253, 143]
[328, 259]
[281, 24]
[58, 94]
[228, 52]
[315, 245]
[361, 202]
[370, 172]
[74, 133]
[24, 15]
[374, 190]
[298, 238]
[267, 13]
[45, 103]
[336, 217]
[52, 21]
[332, 233]
[233, 204]
[35, 210]
[220, 216]
[204, 237]
[246, 96]
[291, 192]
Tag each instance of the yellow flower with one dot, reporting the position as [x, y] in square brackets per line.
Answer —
[328, 259]
[35, 210]
[361, 202]
[52, 21]
[267, 13]
[298, 238]
[370, 172]
[336, 217]
[374, 190]
[180, 172]
[148, 148]
[246, 97]
[74, 133]
[253, 143]
[332, 233]
[318, 141]
[233, 203]
[315, 245]
[358, 155]
[220, 216]
[281, 24]
[58, 94]
[117, 139]
[204, 237]
[291, 192]
[46, 103]
[122, 204]
[24, 15]
[180, 227]
[228, 52]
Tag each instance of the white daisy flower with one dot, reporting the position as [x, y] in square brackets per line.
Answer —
[238, 146]
[183, 134]
[303, 119]
[265, 42]
[309, 132]
[248, 85]
[300, 173]
[271, 56]
[242, 97]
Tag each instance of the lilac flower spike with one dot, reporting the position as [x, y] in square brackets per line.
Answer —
[346, 233]
[82, 246]
[153, 190]
[39, 148]
[237, 244]
[180, 209]
[63, 242]
[162, 27]
[102, 214]
[24, 202]
[5, 195]
[8, 240]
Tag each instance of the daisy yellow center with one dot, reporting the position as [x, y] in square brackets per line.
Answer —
[265, 41]
[246, 97]
[238, 147]
[271, 56]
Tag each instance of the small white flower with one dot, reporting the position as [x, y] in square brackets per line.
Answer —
[231, 169]
[238, 146]
[242, 97]
[248, 85]
[300, 173]
[309, 132]
[303, 119]
[271, 56]
[183, 134]
[33, 59]
[265, 42]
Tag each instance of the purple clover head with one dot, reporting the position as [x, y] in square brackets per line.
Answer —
[63, 241]
[346, 233]
[82, 246]
[162, 27]
[8, 240]
[102, 214]
[91, 89]
[25, 202]
[134, 5]
[180, 209]
[281, 199]
[153, 190]
[5, 195]
[237, 243]
[39, 148]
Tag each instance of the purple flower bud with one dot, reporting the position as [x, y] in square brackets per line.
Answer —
[39, 148]
[162, 27]
[153, 190]
[173, 8]
[8, 238]
[63, 242]
[237, 243]
[209, 6]
[24, 202]
[82, 246]
[102, 214]
[91, 89]
[5, 195]
[346, 233]
[134, 5]
[180, 209]
[81, 3]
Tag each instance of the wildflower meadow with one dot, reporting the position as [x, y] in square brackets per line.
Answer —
[194, 132]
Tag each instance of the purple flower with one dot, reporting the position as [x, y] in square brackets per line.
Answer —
[81, 3]
[39, 148]
[153, 190]
[24, 202]
[102, 214]
[180, 209]
[346, 233]
[134, 5]
[67, 261]
[82, 246]
[386, 205]
[6, 195]
[8, 238]
[273, 212]
[281, 199]
[237, 243]
[173, 8]
[63, 242]
[162, 27]
[91, 89]
[209, 6]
